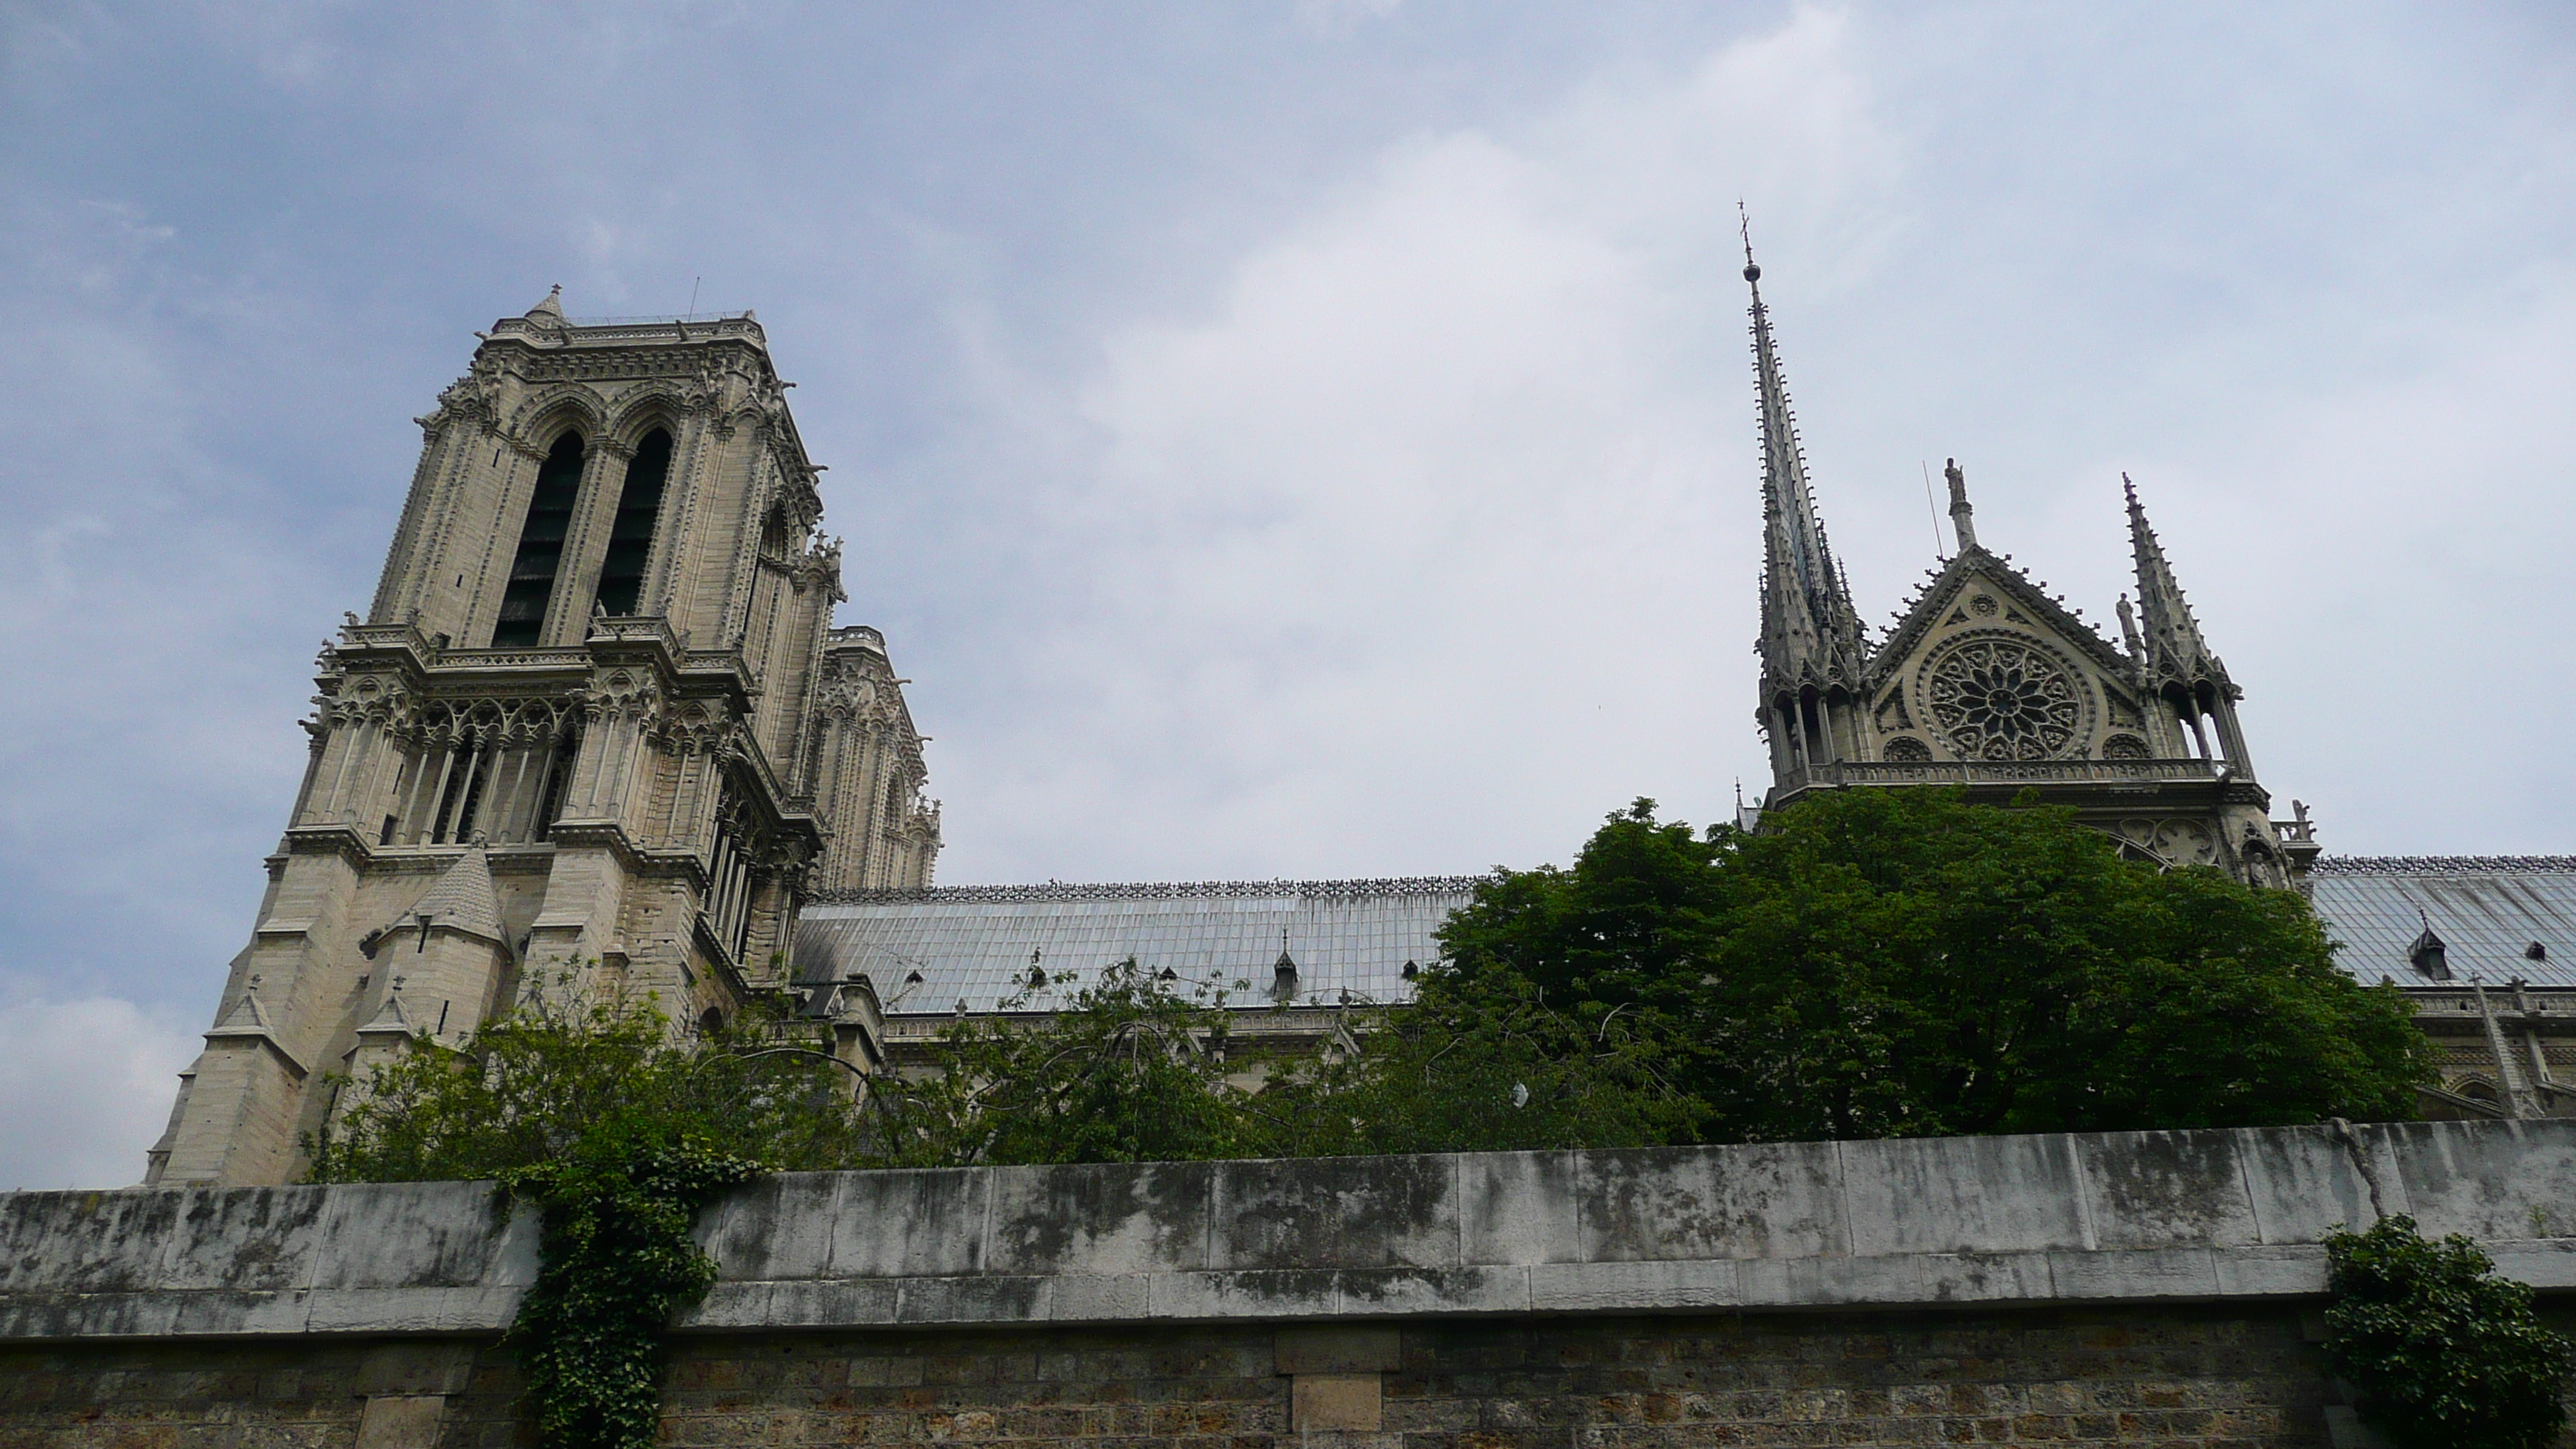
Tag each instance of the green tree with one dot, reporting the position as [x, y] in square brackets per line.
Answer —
[2444, 1352]
[1128, 1070]
[563, 1069]
[1482, 1062]
[1902, 963]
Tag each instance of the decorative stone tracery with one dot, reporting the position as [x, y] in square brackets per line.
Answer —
[2000, 696]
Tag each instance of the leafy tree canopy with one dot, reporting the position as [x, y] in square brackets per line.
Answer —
[563, 1075]
[1131, 1069]
[1881, 963]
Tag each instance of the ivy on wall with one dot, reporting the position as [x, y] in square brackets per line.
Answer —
[2443, 1351]
[617, 1261]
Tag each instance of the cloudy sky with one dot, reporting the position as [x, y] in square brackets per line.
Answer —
[1279, 439]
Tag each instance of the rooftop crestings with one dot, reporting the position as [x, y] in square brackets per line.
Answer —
[975, 948]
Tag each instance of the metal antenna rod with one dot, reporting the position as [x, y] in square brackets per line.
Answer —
[693, 294]
[1935, 510]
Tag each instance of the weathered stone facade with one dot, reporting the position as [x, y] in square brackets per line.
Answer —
[597, 722]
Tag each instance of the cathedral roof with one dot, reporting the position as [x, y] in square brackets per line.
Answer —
[2488, 910]
[1936, 592]
[928, 951]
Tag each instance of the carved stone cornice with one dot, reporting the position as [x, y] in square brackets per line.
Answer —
[343, 841]
[622, 637]
[632, 857]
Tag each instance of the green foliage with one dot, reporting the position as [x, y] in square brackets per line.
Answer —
[2444, 1352]
[1880, 963]
[594, 1111]
[1901, 963]
[617, 1262]
[1485, 1062]
[562, 1068]
[1128, 1070]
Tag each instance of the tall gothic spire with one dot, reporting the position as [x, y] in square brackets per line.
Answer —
[2172, 647]
[1810, 631]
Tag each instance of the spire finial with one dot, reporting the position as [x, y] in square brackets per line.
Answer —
[1744, 225]
[1962, 516]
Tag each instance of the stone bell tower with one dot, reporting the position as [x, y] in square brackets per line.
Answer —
[573, 735]
[1988, 681]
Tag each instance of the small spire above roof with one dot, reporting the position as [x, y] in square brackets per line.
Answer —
[1962, 514]
[2175, 651]
[247, 1014]
[552, 306]
[390, 1016]
[463, 899]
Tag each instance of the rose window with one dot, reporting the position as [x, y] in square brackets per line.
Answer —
[2000, 699]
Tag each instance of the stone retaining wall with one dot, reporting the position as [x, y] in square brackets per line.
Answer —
[2124, 1287]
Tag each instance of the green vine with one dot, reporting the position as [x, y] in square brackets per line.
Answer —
[2444, 1352]
[617, 1262]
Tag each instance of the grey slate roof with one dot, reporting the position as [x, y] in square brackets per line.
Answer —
[2488, 910]
[973, 943]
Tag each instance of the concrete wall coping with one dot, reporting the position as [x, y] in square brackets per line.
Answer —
[1968, 1221]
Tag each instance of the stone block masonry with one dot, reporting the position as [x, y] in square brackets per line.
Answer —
[2196, 1375]
[2119, 1288]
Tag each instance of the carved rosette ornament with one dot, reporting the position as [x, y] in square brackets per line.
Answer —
[1998, 697]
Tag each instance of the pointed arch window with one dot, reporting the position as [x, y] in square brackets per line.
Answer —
[630, 540]
[541, 542]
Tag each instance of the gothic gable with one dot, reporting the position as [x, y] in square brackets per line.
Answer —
[1987, 666]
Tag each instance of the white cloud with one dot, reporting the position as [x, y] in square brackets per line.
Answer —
[1427, 541]
[85, 1087]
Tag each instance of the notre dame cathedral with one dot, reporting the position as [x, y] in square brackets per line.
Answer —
[598, 721]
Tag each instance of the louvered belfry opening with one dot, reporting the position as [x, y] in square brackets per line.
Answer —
[541, 542]
[630, 542]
